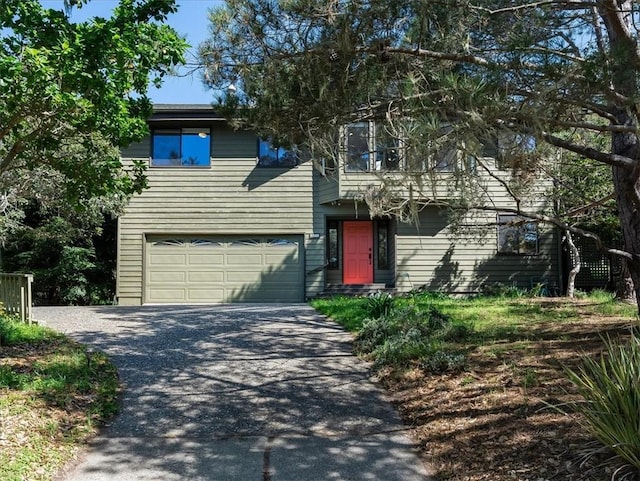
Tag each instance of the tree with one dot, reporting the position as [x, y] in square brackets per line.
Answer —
[535, 79]
[72, 93]
[70, 251]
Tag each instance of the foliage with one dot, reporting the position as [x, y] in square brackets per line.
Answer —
[610, 387]
[13, 332]
[348, 311]
[59, 248]
[379, 304]
[53, 393]
[408, 334]
[517, 81]
[433, 330]
[72, 93]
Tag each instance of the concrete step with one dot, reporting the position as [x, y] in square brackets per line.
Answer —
[355, 289]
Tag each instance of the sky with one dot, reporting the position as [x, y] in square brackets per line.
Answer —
[190, 21]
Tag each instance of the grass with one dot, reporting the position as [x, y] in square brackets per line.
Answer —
[493, 318]
[53, 394]
[503, 393]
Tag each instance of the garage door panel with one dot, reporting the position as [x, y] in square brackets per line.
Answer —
[168, 260]
[167, 295]
[244, 277]
[276, 259]
[206, 259]
[206, 295]
[167, 276]
[224, 269]
[243, 259]
[206, 276]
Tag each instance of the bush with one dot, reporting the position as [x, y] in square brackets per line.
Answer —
[379, 304]
[610, 411]
[443, 361]
[409, 335]
[503, 291]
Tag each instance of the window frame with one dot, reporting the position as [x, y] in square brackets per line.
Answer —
[377, 153]
[277, 165]
[520, 227]
[180, 133]
[445, 159]
[382, 227]
[333, 262]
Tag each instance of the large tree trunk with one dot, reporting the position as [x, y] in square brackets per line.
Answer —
[627, 187]
[617, 18]
[624, 284]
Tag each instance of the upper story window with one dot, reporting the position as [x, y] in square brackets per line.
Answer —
[517, 235]
[187, 147]
[514, 149]
[272, 156]
[371, 147]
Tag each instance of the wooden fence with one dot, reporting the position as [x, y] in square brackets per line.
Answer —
[15, 295]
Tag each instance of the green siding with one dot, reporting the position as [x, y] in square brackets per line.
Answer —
[230, 197]
[431, 257]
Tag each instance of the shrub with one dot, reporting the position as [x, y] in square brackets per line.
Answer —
[379, 304]
[442, 361]
[610, 386]
[503, 290]
[409, 334]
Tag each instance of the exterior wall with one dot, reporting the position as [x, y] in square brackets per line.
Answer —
[430, 257]
[232, 196]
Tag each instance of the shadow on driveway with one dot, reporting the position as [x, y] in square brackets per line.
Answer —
[237, 392]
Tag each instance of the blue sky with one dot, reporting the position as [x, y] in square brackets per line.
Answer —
[191, 21]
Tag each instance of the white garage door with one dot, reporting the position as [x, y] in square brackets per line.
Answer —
[224, 269]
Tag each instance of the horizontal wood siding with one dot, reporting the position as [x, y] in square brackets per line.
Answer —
[233, 196]
[327, 188]
[443, 186]
[137, 150]
[430, 257]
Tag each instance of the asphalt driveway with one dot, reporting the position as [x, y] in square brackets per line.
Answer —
[236, 392]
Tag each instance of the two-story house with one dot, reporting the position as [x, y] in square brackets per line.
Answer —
[229, 218]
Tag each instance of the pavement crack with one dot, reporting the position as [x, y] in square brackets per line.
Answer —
[266, 460]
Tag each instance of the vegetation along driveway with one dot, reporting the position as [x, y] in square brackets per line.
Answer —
[236, 392]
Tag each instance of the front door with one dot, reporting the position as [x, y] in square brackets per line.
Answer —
[357, 243]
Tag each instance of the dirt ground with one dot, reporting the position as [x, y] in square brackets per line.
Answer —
[503, 418]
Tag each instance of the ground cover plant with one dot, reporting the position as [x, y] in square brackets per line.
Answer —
[53, 395]
[508, 410]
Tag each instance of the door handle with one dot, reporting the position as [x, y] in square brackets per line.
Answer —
[369, 257]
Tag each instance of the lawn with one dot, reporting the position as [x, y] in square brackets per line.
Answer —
[53, 395]
[503, 413]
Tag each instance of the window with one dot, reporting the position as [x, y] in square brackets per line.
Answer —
[514, 149]
[517, 235]
[189, 147]
[445, 159]
[371, 147]
[332, 244]
[383, 245]
[358, 150]
[387, 150]
[271, 156]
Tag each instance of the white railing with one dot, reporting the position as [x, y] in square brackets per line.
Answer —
[15, 295]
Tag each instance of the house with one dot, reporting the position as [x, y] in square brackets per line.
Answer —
[229, 218]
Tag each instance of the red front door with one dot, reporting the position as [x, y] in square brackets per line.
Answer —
[357, 244]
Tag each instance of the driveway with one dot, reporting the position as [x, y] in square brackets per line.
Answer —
[236, 392]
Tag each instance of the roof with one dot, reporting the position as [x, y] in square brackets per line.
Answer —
[184, 112]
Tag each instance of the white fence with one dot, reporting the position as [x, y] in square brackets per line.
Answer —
[15, 295]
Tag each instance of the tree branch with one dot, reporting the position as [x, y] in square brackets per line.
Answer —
[606, 158]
